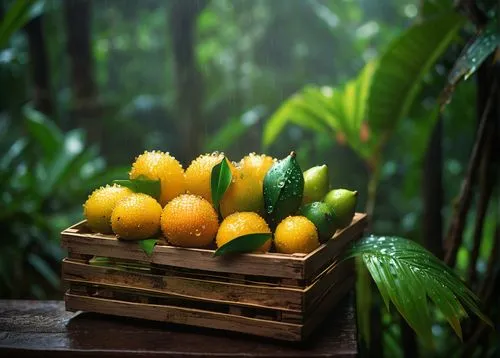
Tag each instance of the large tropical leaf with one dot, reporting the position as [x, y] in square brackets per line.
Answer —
[328, 109]
[472, 56]
[403, 66]
[19, 13]
[433, 7]
[407, 275]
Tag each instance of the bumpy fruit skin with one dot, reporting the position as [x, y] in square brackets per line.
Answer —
[316, 184]
[343, 204]
[136, 217]
[189, 221]
[322, 217]
[296, 234]
[256, 165]
[99, 207]
[244, 223]
[199, 173]
[158, 165]
[245, 192]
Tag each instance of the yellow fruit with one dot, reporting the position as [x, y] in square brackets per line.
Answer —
[239, 224]
[245, 192]
[296, 234]
[258, 165]
[189, 221]
[199, 172]
[158, 165]
[136, 217]
[100, 204]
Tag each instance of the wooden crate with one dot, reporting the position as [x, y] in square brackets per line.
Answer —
[273, 295]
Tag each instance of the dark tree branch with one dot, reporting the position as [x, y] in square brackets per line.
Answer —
[489, 276]
[433, 193]
[470, 9]
[85, 107]
[482, 329]
[79, 46]
[39, 66]
[455, 232]
[486, 184]
[189, 87]
[409, 340]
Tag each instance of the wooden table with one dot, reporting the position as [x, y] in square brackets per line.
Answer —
[44, 328]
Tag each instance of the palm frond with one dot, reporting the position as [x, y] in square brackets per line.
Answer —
[473, 55]
[403, 66]
[327, 109]
[407, 275]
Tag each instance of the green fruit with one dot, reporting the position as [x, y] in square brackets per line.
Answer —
[283, 189]
[343, 204]
[316, 184]
[322, 217]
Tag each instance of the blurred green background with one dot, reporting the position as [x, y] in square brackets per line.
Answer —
[88, 85]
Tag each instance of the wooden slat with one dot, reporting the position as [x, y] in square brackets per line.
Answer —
[194, 317]
[328, 302]
[172, 284]
[79, 257]
[291, 317]
[333, 275]
[317, 260]
[273, 265]
[78, 240]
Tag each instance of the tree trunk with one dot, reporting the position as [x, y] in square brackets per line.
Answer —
[85, 108]
[188, 81]
[433, 193]
[39, 66]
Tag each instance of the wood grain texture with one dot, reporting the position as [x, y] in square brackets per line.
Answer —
[204, 289]
[271, 295]
[322, 257]
[78, 240]
[330, 299]
[274, 265]
[189, 316]
[333, 275]
[44, 328]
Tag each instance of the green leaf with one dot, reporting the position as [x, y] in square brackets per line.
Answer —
[472, 56]
[148, 245]
[328, 110]
[244, 243]
[142, 185]
[44, 131]
[295, 110]
[401, 69]
[100, 261]
[61, 166]
[17, 16]
[283, 189]
[432, 7]
[44, 269]
[15, 152]
[219, 181]
[407, 274]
